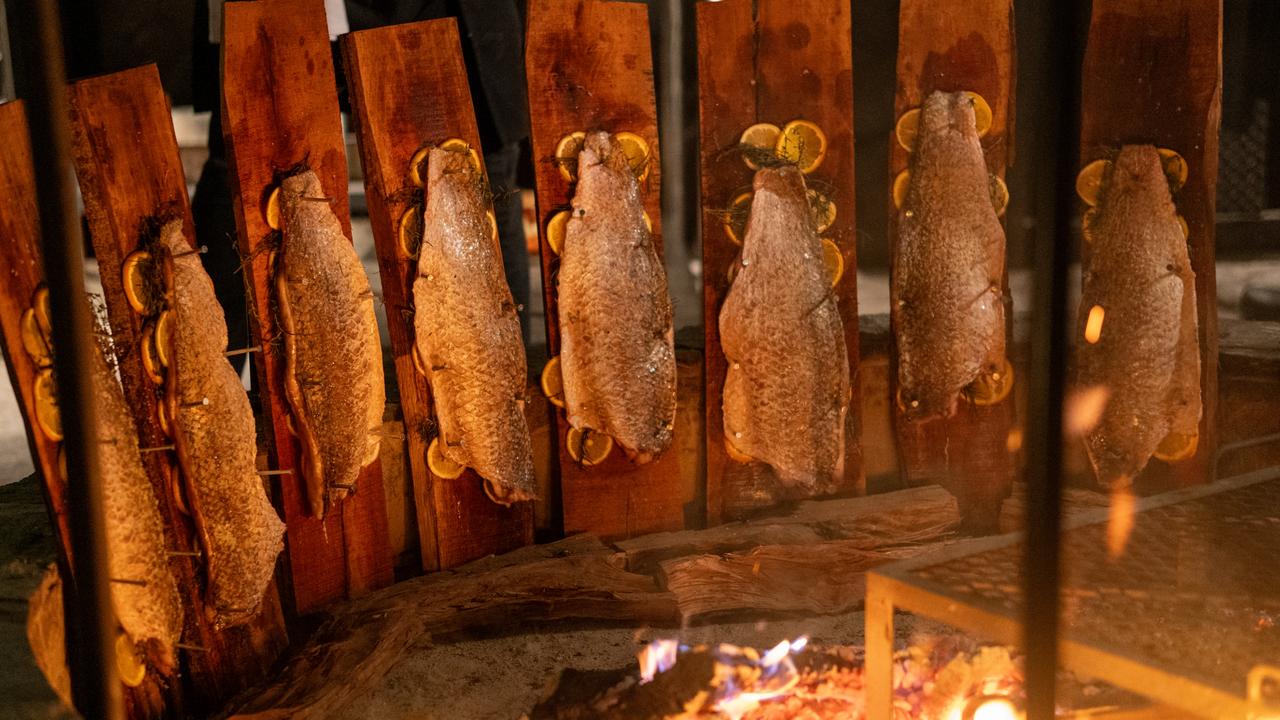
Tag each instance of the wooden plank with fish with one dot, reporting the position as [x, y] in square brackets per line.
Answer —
[320, 368]
[782, 405]
[1151, 105]
[191, 412]
[409, 90]
[949, 300]
[609, 322]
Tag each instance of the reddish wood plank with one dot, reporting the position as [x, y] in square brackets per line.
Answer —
[591, 68]
[132, 181]
[280, 111]
[965, 45]
[789, 59]
[1153, 74]
[408, 88]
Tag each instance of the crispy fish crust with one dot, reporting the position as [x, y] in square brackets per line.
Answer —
[786, 392]
[468, 333]
[216, 445]
[1148, 356]
[333, 356]
[151, 612]
[617, 346]
[948, 263]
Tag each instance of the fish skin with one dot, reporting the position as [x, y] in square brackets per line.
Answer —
[333, 355]
[946, 284]
[466, 325]
[1147, 356]
[617, 349]
[217, 446]
[786, 390]
[150, 614]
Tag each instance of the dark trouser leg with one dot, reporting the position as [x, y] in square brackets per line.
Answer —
[501, 165]
[216, 229]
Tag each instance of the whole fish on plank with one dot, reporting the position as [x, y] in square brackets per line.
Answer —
[468, 333]
[786, 392]
[333, 355]
[215, 441]
[617, 343]
[1146, 351]
[947, 301]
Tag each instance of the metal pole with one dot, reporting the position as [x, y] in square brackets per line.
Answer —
[672, 69]
[1049, 349]
[6, 59]
[91, 623]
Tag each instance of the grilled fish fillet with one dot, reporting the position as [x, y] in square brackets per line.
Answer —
[786, 392]
[617, 352]
[148, 605]
[216, 445]
[1138, 271]
[947, 302]
[468, 333]
[333, 356]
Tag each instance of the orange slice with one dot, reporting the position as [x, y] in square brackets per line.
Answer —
[138, 273]
[409, 231]
[758, 140]
[1177, 446]
[418, 167]
[1175, 168]
[48, 419]
[735, 454]
[164, 338]
[990, 389]
[589, 448]
[735, 220]
[1089, 181]
[175, 487]
[553, 382]
[40, 301]
[981, 113]
[900, 184]
[822, 209]
[1186, 229]
[803, 143]
[271, 209]
[493, 224]
[462, 146]
[150, 358]
[34, 341]
[555, 231]
[441, 466]
[567, 154]
[906, 129]
[833, 259]
[162, 418]
[648, 223]
[130, 667]
[999, 195]
[636, 149]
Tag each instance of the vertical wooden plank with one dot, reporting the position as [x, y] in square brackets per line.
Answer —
[131, 178]
[408, 88]
[591, 68]
[280, 111]
[1153, 74]
[784, 60]
[967, 45]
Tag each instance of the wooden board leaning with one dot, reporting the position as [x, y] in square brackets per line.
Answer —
[408, 88]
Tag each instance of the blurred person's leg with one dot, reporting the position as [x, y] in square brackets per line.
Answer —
[501, 165]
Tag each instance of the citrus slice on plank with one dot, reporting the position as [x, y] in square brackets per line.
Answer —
[462, 146]
[981, 113]
[409, 231]
[900, 184]
[138, 274]
[1186, 229]
[150, 358]
[493, 224]
[1089, 181]
[130, 667]
[906, 129]
[991, 388]
[735, 220]
[164, 338]
[40, 301]
[1177, 446]
[271, 208]
[418, 167]
[636, 149]
[441, 466]
[1175, 168]
[588, 447]
[48, 418]
[34, 341]
[162, 418]
[566, 156]
[823, 210]
[553, 382]
[757, 142]
[803, 143]
[833, 259]
[999, 195]
[556, 227]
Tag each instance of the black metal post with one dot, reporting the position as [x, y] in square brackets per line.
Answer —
[1050, 345]
[91, 623]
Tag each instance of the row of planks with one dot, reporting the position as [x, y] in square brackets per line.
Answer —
[590, 66]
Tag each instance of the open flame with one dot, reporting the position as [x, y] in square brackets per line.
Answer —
[743, 678]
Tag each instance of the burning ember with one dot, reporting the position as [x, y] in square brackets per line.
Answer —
[932, 681]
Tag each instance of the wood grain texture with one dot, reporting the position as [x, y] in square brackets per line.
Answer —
[132, 182]
[784, 60]
[1153, 74]
[966, 45]
[408, 88]
[590, 67]
[280, 112]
